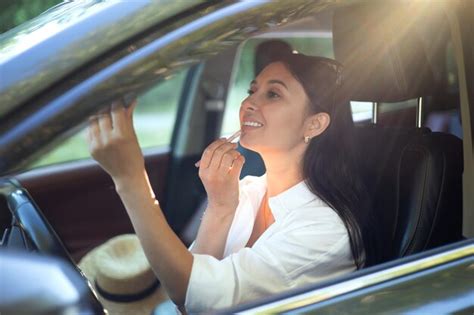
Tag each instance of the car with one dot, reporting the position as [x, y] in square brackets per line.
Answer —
[409, 82]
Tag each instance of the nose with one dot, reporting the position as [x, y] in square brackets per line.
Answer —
[248, 104]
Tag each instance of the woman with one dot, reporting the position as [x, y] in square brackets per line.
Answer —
[304, 221]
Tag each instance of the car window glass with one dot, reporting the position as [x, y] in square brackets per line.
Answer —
[154, 120]
[362, 112]
[319, 44]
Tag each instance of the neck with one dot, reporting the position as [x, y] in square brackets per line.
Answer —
[283, 171]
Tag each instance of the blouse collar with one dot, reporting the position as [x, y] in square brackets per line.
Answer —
[252, 191]
[293, 198]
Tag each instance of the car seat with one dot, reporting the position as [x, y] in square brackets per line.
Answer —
[413, 175]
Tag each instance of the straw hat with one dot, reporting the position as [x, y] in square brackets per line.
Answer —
[121, 276]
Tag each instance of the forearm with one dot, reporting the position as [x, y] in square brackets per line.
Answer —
[212, 234]
[168, 257]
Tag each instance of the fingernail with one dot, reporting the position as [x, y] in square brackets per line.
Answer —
[197, 163]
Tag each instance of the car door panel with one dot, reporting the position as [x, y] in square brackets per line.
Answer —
[80, 202]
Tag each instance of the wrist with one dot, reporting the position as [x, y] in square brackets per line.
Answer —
[127, 183]
[220, 213]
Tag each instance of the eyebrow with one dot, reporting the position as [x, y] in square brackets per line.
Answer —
[271, 82]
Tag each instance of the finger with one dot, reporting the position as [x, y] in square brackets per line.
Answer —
[209, 151]
[118, 115]
[130, 109]
[228, 160]
[93, 132]
[219, 154]
[105, 122]
[237, 166]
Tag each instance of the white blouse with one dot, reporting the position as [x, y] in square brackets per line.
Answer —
[307, 243]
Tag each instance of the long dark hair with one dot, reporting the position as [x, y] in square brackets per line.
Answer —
[331, 172]
[330, 162]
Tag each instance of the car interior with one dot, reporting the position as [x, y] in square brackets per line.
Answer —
[413, 174]
[410, 147]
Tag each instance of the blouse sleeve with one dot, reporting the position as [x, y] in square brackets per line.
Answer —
[300, 254]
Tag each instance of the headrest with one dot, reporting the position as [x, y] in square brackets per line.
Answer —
[383, 58]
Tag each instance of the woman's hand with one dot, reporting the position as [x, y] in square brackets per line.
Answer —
[113, 143]
[219, 170]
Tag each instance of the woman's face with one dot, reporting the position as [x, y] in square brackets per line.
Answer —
[273, 116]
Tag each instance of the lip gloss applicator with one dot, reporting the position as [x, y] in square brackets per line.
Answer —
[234, 136]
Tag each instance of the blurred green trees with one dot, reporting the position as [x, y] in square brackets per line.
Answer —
[15, 12]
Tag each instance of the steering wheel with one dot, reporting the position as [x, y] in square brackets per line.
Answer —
[31, 231]
[29, 226]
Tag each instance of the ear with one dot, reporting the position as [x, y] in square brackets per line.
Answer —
[316, 124]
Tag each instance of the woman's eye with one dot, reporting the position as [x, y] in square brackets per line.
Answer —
[272, 94]
[249, 92]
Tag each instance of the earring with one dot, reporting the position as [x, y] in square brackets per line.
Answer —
[306, 139]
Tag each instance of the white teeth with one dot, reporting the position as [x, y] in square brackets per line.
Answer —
[252, 124]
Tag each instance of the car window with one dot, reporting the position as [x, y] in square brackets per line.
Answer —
[319, 44]
[362, 112]
[154, 120]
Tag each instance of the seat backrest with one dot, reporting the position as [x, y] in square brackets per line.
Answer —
[412, 174]
[429, 192]
[414, 179]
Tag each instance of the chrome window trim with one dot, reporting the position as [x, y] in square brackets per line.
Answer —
[322, 294]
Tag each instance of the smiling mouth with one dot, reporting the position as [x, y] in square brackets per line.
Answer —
[252, 124]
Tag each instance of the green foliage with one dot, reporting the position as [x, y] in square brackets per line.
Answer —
[16, 12]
